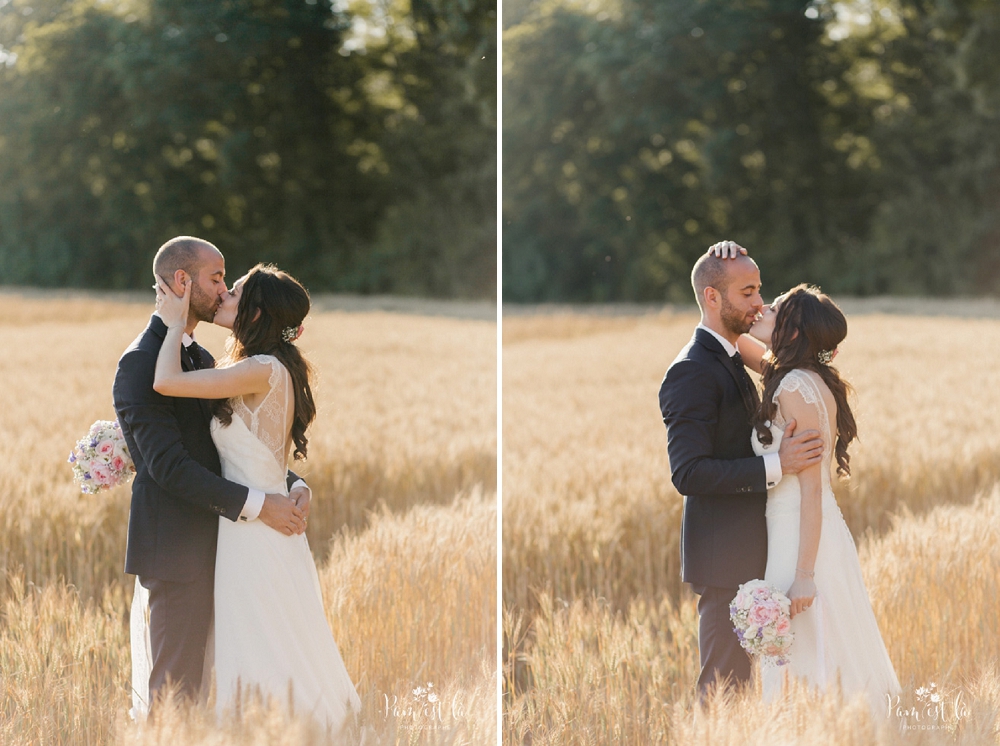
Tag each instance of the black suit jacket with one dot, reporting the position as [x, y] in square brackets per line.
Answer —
[177, 493]
[709, 426]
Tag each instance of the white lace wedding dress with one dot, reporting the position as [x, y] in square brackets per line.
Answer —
[270, 629]
[838, 637]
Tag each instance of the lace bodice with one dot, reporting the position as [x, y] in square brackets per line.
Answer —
[271, 420]
[806, 385]
[254, 448]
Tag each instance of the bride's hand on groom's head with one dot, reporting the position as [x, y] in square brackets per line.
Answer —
[727, 250]
[173, 309]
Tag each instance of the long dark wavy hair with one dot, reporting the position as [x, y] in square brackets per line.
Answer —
[808, 323]
[283, 303]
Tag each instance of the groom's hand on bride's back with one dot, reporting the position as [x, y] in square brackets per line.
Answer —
[799, 451]
[302, 497]
[282, 514]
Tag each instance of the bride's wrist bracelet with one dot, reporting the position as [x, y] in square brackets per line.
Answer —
[807, 573]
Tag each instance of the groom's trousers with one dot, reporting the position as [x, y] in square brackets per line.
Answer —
[722, 655]
[179, 618]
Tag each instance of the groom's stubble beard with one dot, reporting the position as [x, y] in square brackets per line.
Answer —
[203, 306]
[733, 319]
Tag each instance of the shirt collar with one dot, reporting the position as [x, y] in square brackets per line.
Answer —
[726, 344]
[187, 340]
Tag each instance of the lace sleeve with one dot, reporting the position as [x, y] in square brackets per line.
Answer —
[801, 382]
[273, 380]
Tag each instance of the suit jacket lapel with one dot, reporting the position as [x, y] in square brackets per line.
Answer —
[157, 326]
[187, 365]
[710, 343]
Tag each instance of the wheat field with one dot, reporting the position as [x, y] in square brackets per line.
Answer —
[403, 468]
[600, 638]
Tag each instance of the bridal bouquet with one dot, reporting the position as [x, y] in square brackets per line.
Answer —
[760, 614]
[101, 459]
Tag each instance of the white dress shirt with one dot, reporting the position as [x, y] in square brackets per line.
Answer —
[772, 461]
[255, 498]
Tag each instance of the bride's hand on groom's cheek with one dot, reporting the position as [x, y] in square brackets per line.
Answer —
[173, 308]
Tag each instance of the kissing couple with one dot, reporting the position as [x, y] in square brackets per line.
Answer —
[226, 585]
[755, 471]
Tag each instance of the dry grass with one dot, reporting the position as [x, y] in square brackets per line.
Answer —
[588, 505]
[427, 557]
[600, 639]
[587, 673]
[407, 415]
[403, 468]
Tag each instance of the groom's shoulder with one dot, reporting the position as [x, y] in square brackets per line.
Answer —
[141, 345]
[693, 352]
[688, 368]
[146, 344]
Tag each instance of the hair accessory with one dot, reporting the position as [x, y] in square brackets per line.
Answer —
[291, 333]
[826, 356]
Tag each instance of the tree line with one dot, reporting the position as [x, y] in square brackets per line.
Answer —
[849, 144]
[353, 144]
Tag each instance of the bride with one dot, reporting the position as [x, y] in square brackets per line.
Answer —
[270, 629]
[810, 552]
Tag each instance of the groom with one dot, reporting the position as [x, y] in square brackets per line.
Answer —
[708, 403]
[178, 493]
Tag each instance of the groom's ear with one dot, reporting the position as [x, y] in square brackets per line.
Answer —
[176, 281]
[711, 297]
[181, 279]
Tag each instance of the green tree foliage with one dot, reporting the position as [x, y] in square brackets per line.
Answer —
[936, 115]
[253, 123]
[854, 153]
[448, 146]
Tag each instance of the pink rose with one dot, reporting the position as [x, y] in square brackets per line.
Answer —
[117, 463]
[763, 613]
[106, 448]
[784, 626]
[101, 474]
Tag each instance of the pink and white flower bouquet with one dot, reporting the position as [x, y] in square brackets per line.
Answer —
[762, 618]
[101, 459]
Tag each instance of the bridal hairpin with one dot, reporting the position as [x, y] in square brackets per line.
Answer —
[826, 356]
[291, 333]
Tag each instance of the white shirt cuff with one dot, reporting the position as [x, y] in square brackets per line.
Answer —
[772, 469]
[251, 508]
[302, 483]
